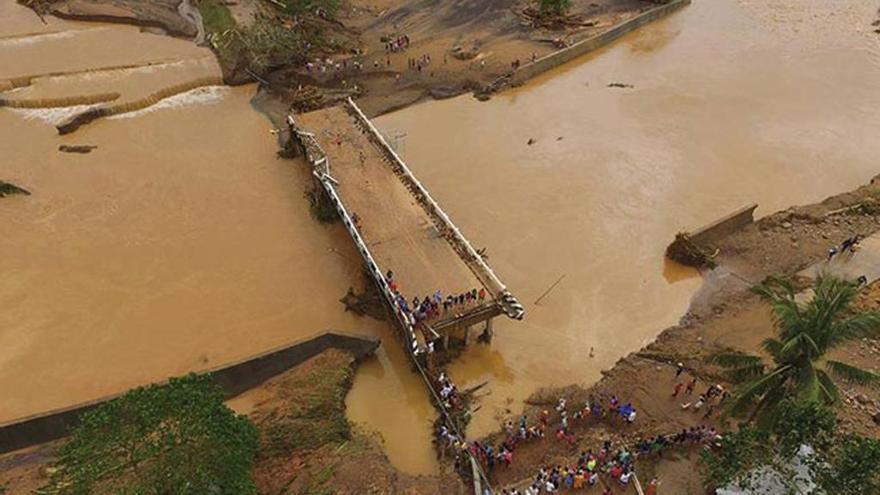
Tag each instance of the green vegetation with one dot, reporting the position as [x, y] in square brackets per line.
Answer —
[324, 8]
[553, 7]
[215, 16]
[840, 465]
[321, 206]
[312, 414]
[178, 439]
[805, 333]
[264, 44]
[318, 483]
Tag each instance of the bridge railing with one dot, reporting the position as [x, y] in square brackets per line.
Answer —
[320, 163]
[450, 232]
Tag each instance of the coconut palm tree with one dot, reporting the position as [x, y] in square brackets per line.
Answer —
[806, 331]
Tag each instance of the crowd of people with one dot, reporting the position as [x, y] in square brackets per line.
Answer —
[392, 46]
[849, 245]
[431, 307]
[712, 399]
[584, 474]
[419, 63]
[602, 468]
[329, 65]
[398, 44]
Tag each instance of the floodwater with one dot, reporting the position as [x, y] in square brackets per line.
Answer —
[179, 244]
[182, 242]
[733, 103]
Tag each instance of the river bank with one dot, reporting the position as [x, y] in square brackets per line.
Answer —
[308, 446]
[450, 49]
[723, 315]
[709, 124]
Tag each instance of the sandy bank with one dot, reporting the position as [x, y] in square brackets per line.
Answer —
[723, 315]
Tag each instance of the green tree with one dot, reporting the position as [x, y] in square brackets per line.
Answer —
[852, 467]
[739, 453]
[806, 331]
[842, 464]
[178, 439]
[553, 7]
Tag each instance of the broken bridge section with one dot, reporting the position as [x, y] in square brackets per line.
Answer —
[401, 231]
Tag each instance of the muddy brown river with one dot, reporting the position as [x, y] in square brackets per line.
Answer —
[181, 242]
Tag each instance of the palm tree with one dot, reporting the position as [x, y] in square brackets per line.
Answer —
[806, 331]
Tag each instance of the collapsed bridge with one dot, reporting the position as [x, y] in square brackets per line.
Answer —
[409, 246]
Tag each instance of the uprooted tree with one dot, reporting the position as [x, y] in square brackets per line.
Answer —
[178, 438]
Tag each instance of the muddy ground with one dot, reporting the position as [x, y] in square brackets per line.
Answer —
[470, 44]
[723, 315]
[488, 36]
[308, 447]
[159, 14]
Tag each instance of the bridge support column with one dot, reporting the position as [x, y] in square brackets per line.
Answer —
[487, 331]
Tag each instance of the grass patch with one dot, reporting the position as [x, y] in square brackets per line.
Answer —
[327, 8]
[215, 16]
[318, 484]
[312, 414]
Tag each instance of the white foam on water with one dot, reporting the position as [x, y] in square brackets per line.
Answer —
[118, 73]
[43, 37]
[51, 116]
[205, 95]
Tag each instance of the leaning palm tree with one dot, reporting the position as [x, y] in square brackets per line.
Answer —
[806, 331]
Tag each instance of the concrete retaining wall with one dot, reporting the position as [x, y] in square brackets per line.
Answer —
[588, 45]
[711, 233]
[234, 378]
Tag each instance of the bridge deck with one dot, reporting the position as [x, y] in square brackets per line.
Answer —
[397, 230]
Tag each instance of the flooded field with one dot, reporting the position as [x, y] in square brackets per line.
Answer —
[181, 242]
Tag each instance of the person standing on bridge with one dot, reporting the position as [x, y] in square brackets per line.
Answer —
[482, 294]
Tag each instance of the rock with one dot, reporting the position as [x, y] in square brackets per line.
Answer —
[876, 418]
[531, 141]
[786, 225]
[8, 188]
[863, 399]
